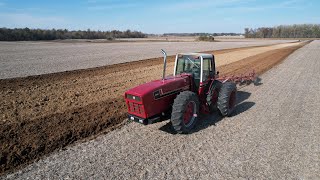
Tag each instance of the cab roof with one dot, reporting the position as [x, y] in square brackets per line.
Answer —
[197, 54]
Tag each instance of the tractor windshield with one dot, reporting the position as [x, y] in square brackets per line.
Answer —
[189, 64]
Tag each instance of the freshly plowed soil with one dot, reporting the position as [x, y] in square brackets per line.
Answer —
[260, 63]
[42, 113]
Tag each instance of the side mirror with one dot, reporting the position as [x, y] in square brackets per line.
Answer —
[217, 72]
[217, 75]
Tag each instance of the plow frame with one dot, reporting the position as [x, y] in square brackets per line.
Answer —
[242, 79]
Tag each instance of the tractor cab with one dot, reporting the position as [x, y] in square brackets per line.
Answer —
[200, 66]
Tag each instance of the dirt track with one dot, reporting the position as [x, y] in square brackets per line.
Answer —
[44, 113]
[274, 134]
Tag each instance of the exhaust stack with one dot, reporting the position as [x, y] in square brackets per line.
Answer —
[164, 63]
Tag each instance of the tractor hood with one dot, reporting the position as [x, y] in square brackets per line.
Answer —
[155, 97]
[171, 83]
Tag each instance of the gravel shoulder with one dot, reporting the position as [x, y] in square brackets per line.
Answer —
[274, 134]
[20, 59]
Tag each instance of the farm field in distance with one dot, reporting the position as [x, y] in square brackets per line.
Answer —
[19, 59]
[39, 113]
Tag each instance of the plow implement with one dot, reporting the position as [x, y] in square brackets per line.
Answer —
[243, 79]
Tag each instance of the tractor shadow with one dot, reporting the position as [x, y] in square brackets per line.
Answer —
[206, 121]
[258, 82]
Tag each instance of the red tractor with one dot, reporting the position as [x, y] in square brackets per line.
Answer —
[194, 88]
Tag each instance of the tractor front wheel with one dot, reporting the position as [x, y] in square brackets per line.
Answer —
[227, 98]
[185, 112]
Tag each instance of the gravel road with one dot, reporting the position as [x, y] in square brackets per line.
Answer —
[274, 134]
[18, 59]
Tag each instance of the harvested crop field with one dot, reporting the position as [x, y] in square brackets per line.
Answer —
[42, 113]
[19, 59]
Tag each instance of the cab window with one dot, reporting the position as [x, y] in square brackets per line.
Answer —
[189, 64]
[207, 67]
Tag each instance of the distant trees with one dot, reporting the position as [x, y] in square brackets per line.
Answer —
[285, 31]
[26, 34]
[205, 38]
[202, 34]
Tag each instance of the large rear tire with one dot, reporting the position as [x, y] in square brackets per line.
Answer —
[212, 97]
[227, 98]
[185, 112]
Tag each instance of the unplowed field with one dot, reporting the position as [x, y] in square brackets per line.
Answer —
[42, 113]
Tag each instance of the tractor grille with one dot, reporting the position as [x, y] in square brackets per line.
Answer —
[136, 108]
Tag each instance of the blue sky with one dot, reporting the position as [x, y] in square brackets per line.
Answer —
[155, 16]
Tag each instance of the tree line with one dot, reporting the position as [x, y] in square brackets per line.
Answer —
[285, 31]
[26, 34]
[202, 34]
[206, 38]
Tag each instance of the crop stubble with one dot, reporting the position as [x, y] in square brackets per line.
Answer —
[42, 113]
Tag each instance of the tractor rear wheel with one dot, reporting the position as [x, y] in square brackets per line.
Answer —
[227, 98]
[212, 96]
[185, 112]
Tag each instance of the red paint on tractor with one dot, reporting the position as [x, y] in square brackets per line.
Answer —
[156, 95]
[232, 100]
[189, 113]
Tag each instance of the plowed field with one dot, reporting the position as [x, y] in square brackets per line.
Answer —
[42, 113]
